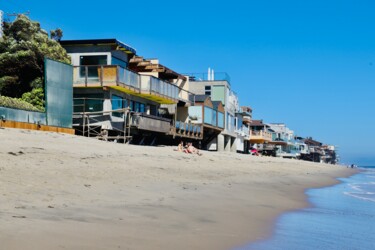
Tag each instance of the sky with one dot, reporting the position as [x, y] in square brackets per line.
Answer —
[308, 64]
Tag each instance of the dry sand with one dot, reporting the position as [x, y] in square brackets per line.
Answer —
[67, 192]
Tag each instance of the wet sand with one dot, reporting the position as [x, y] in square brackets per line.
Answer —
[67, 192]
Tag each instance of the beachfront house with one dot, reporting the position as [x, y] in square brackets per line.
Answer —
[182, 128]
[284, 141]
[319, 152]
[260, 137]
[115, 97]
[218, 87]
[242, 123]
[209, 114]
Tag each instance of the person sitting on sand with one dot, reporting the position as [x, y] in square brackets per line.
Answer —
[192, 150]
[254, 151]
[180, 147]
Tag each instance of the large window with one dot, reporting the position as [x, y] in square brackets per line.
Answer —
[117, 103]
[92, 63]
[88, 102]
[136, 107]
[142, 108]
[131, 105]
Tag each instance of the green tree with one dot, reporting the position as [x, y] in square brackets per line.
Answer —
[56, 34]
[22, 51]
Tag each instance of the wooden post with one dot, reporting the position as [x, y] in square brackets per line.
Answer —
[129, 114]
[125, 115]
[101, 75]
[88, 125]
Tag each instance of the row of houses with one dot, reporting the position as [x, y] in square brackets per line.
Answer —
[119, 95]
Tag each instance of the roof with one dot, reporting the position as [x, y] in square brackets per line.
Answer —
[140, 64]
[201, 98]
[216, 104]
[310, 141]
[111, 41]
[258, 123]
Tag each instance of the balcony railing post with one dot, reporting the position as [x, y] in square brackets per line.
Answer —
[117, 74]
[86, 75]
[151, 84]
[101, 75]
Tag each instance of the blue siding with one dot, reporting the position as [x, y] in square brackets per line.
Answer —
[220, 119]
[208, 113]
[23, 115]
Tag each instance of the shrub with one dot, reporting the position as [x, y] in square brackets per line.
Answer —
[17, 104]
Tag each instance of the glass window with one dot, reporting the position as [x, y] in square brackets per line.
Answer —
[153, 110]
[141, 108]
[131, 106]
[116, 61]
[92, 63]
[117, 104]
[88, 102]
[136, 108]
[207, 90]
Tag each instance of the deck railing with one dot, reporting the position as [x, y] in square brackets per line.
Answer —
[114, 75]
[243, 130]
[199, 77]
[188, 129]
[261, 134]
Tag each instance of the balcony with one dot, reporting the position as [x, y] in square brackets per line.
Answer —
[124, 80]
[150, 123]
[260, 136]
[232, 105]
[189, 130]
[243, 131]
[246, 120]
[211, 116]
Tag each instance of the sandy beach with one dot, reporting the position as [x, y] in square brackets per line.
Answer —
[67, 192]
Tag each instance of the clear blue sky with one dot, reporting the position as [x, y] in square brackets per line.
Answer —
[308, 64]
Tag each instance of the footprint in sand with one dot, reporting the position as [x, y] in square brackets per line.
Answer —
[19, 216]
[16, 154]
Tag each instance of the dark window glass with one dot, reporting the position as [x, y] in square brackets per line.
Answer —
[141, 108]
[119, 62]
[136, 109]
[207, 90]
[116, 104]
[92, 63]
[88, 102]
[153, 110]
[131, 106]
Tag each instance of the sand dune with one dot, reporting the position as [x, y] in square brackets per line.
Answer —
[67, 192]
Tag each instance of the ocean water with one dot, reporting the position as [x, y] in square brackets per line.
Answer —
[342, 217]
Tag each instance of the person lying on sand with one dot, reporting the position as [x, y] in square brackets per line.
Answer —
[192, 150]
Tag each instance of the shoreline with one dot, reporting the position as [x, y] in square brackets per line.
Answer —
[62, 191]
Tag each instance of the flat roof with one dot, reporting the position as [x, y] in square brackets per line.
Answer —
[111, 41]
